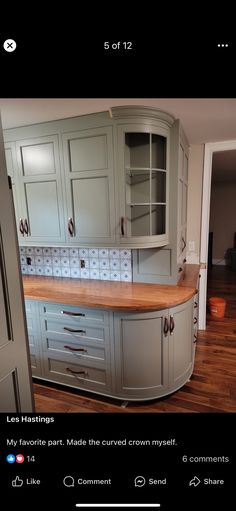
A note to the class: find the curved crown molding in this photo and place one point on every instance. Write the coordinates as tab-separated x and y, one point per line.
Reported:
118	112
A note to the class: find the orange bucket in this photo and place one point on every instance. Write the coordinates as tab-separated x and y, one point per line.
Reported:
217	307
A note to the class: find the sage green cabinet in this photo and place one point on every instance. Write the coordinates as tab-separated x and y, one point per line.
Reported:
34	335
12	170
89	178
153	351
143	153
39	190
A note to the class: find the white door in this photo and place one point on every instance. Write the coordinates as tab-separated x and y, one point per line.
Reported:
15	373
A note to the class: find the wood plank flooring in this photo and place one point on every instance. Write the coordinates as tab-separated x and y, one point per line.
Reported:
212	387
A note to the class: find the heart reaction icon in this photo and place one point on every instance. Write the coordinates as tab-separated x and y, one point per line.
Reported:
20	458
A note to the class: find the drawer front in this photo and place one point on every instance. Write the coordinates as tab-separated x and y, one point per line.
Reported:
76	315
77	375
77	350
82	332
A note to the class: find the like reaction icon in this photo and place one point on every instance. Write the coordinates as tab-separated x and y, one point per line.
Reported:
17	482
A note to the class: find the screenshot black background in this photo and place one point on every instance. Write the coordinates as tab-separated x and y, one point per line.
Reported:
171	58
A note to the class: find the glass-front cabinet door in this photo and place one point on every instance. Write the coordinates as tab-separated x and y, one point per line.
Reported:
143	171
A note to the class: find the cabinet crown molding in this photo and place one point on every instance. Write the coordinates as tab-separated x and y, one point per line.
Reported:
118	112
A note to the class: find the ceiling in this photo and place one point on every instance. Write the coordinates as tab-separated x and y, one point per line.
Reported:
203	120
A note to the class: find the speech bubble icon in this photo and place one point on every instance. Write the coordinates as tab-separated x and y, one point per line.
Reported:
69	481
139	481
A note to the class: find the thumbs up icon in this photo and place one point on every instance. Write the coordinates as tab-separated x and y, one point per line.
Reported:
17	482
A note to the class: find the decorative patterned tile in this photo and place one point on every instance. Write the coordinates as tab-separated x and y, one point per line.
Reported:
105	274
55	251
64	252
56	261
64	261
114	253
29	250
125	264
46	251
94	274
31	270
38	260
115	275
47	260
65	272
115	264
74	262
74	252
39	270
37	250
93	252
83	252
104	264
100	263
56	272
125	253
103	253
75	273
126	276
94	263
48	270
84	274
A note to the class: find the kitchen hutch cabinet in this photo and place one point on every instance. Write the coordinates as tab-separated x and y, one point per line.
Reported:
115	178
133	356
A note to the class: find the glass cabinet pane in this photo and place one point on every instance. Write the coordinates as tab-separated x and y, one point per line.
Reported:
158	220
158	152
137	150
138	220
158	186
138	186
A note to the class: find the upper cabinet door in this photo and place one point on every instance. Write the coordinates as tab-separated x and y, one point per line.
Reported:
143	164
40	190
88	161
11	163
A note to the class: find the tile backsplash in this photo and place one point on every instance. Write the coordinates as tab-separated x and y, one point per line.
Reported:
84	263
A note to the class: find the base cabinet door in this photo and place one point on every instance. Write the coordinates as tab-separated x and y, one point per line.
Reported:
32	318
141	354
180	344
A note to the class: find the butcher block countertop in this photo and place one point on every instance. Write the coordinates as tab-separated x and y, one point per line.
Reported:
116	296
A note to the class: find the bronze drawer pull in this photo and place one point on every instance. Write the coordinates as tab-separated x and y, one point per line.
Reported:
21	227
70	313
71	227
195	339
172	324
77	372
74	331
75	349
122	226
195	305
166	326
195	321
26	227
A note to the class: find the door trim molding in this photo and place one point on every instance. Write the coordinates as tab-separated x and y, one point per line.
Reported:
206	197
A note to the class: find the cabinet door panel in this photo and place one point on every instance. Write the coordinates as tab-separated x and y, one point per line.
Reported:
91	207
38	159
141	355
9	397
88	153
181	345
89	173
43	210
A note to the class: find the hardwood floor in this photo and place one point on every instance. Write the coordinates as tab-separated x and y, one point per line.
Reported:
212	387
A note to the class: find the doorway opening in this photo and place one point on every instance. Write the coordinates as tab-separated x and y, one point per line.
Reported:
218	228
